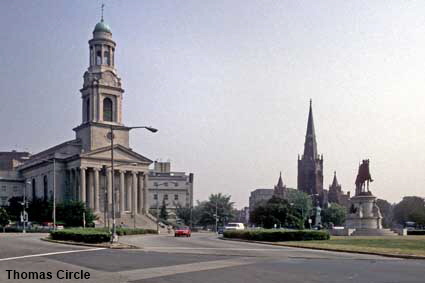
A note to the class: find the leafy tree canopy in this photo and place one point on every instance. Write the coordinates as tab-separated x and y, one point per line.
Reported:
334	214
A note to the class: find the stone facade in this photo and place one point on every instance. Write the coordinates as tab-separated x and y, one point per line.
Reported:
310	165
80	169
280	189
259	195
174	188
336	195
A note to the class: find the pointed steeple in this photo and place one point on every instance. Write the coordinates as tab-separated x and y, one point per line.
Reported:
280	181
335	181
310	145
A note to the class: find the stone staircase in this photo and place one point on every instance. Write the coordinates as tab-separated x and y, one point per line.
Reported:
146	221
373	232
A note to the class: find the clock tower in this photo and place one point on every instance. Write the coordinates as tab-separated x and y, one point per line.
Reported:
101	94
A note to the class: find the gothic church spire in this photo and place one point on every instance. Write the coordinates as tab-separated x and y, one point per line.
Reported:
310	145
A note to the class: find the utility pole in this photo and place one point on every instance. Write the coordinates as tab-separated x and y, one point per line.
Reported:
216	216
114	237
54	193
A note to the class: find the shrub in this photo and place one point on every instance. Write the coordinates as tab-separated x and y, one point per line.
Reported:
81	235
416	232
137	231
277	235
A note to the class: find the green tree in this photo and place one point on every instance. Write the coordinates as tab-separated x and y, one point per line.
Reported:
276	211
71	214
40	210
411	208
208	209
302	205
183	213
15	208
163	214
334	214
4	218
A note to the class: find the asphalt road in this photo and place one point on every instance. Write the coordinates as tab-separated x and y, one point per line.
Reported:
201	258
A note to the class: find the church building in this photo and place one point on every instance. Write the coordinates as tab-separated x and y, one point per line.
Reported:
310	165
80	169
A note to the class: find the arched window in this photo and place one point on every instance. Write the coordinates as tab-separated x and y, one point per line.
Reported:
99	57
45	185
106	57
34	190
88	109
107	110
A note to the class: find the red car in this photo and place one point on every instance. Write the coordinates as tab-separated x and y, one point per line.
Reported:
182	231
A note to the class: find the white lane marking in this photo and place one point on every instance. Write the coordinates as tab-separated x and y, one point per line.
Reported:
53	253
145	273
224	249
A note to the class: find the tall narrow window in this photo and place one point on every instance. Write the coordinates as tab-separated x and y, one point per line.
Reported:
34	190
88	109
106	57
107	110
45	187
99	57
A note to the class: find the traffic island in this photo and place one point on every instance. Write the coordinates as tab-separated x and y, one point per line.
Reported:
105	245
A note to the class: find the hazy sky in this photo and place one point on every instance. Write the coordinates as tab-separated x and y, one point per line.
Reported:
228	84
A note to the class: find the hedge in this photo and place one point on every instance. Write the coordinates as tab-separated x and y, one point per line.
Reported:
416	232
94	235
277	235
81	235
137	231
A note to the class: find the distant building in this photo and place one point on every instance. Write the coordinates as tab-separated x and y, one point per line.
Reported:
11	183
336	195
310	165
280	189
259	195
175	188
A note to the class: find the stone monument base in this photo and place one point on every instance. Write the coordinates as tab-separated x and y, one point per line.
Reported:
365	217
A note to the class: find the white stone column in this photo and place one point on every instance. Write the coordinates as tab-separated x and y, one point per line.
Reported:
122	192
128	191
145	193
83	185
96	189
91	189
134	191
109	185
141	193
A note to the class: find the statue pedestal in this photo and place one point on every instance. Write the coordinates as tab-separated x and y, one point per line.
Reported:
364	214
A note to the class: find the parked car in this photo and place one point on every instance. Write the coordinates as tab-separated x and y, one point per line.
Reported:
182	231
234	226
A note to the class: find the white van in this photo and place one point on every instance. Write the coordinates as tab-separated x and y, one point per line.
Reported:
234	226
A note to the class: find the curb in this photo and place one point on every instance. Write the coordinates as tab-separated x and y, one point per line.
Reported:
120	246
332	250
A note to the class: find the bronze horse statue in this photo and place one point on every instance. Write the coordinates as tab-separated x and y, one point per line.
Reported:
363	178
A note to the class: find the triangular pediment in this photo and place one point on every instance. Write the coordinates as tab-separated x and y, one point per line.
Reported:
121	153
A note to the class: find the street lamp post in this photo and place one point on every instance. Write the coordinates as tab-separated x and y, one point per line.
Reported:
114	237
24	204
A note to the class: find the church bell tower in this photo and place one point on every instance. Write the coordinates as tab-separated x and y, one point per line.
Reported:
101	94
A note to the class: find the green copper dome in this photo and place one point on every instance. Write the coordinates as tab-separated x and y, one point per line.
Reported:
102	27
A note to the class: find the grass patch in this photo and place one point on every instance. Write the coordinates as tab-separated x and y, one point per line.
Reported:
408	245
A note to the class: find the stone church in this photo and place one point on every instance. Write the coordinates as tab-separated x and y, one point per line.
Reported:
80	169
310	166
